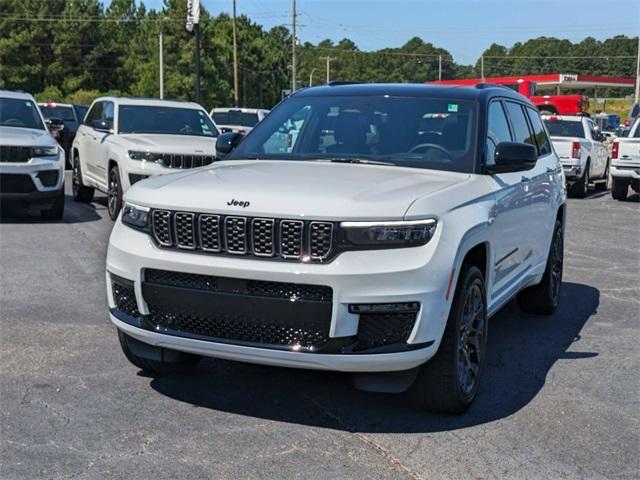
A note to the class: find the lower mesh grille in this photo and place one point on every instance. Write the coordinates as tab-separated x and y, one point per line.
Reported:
15	183
239	328
378	330
124	295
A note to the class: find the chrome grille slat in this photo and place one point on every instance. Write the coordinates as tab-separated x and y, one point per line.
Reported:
178	160
244	236
162	227
291	237
235	235
209	232
184	226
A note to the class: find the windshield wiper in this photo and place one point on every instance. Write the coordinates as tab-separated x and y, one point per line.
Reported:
363	161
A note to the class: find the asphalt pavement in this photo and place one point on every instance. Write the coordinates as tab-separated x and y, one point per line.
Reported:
559	398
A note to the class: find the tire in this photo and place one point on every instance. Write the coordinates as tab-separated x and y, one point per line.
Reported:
182	361
448	383
543	298
581	187
619	189
56	211
80	192
114	193
602	186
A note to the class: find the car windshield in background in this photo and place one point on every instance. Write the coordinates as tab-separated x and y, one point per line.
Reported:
18	112
81	110
405	131
235	118
63	113
564	128
165	121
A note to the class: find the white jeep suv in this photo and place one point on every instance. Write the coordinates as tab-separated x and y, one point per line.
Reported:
124	140
31	161
370	229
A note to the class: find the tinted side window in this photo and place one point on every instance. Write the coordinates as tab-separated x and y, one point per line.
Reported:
521	132
94	114
497	130
544	147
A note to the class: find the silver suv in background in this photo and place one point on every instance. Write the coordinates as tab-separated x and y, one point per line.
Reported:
31	161
124	140
240	120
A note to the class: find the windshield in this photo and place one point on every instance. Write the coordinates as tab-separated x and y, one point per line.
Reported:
235	117
564	128
405	131
165	121
63	113
18	112
81	110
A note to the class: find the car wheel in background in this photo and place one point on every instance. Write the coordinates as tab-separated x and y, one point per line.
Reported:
448	383
581	187
181	361
543	298
114	193
619	188
80	192
56	211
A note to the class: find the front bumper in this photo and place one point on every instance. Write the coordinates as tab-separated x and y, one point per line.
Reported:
365	277
37	181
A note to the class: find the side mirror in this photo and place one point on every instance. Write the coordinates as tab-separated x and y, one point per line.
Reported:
102	126
54	124
513	157
226	143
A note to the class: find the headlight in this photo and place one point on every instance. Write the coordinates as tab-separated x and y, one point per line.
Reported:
44	151
146	156
390	234
135	216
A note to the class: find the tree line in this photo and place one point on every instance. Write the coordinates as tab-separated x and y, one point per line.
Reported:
75	50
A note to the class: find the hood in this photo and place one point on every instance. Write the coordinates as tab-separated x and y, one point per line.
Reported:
170	143
27	137
315	190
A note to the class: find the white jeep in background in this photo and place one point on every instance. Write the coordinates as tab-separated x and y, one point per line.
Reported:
240	120
31	161
580	148
124	140
625	166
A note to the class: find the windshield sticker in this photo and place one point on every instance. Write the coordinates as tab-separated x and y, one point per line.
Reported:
453	107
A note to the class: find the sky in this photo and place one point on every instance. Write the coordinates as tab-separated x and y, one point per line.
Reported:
464	27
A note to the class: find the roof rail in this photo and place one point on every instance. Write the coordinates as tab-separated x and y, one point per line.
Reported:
484	85
334	83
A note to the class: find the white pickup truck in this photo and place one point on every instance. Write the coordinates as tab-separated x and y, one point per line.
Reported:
580	148
625	166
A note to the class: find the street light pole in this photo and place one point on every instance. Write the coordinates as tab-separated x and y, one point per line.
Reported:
637	96
311	77
161	60
293	49
235	58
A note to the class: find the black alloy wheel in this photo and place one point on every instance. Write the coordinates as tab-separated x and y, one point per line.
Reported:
114	193
471	341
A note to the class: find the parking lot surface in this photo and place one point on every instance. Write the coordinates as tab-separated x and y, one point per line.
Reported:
559	396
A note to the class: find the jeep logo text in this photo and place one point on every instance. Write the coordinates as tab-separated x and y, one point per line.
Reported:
236	203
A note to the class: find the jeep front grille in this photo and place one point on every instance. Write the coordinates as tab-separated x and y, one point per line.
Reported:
14	154
175	160
243	236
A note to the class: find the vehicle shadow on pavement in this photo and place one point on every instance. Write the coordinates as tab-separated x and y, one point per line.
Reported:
73	213
521	351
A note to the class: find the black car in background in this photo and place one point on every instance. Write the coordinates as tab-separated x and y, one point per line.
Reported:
71	116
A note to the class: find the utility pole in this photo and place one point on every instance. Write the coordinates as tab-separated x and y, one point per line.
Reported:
235	58
637	96
439	67
293	49
196	29
482	67
328	60
161	67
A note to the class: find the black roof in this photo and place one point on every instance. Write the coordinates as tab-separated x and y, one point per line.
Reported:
481	92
